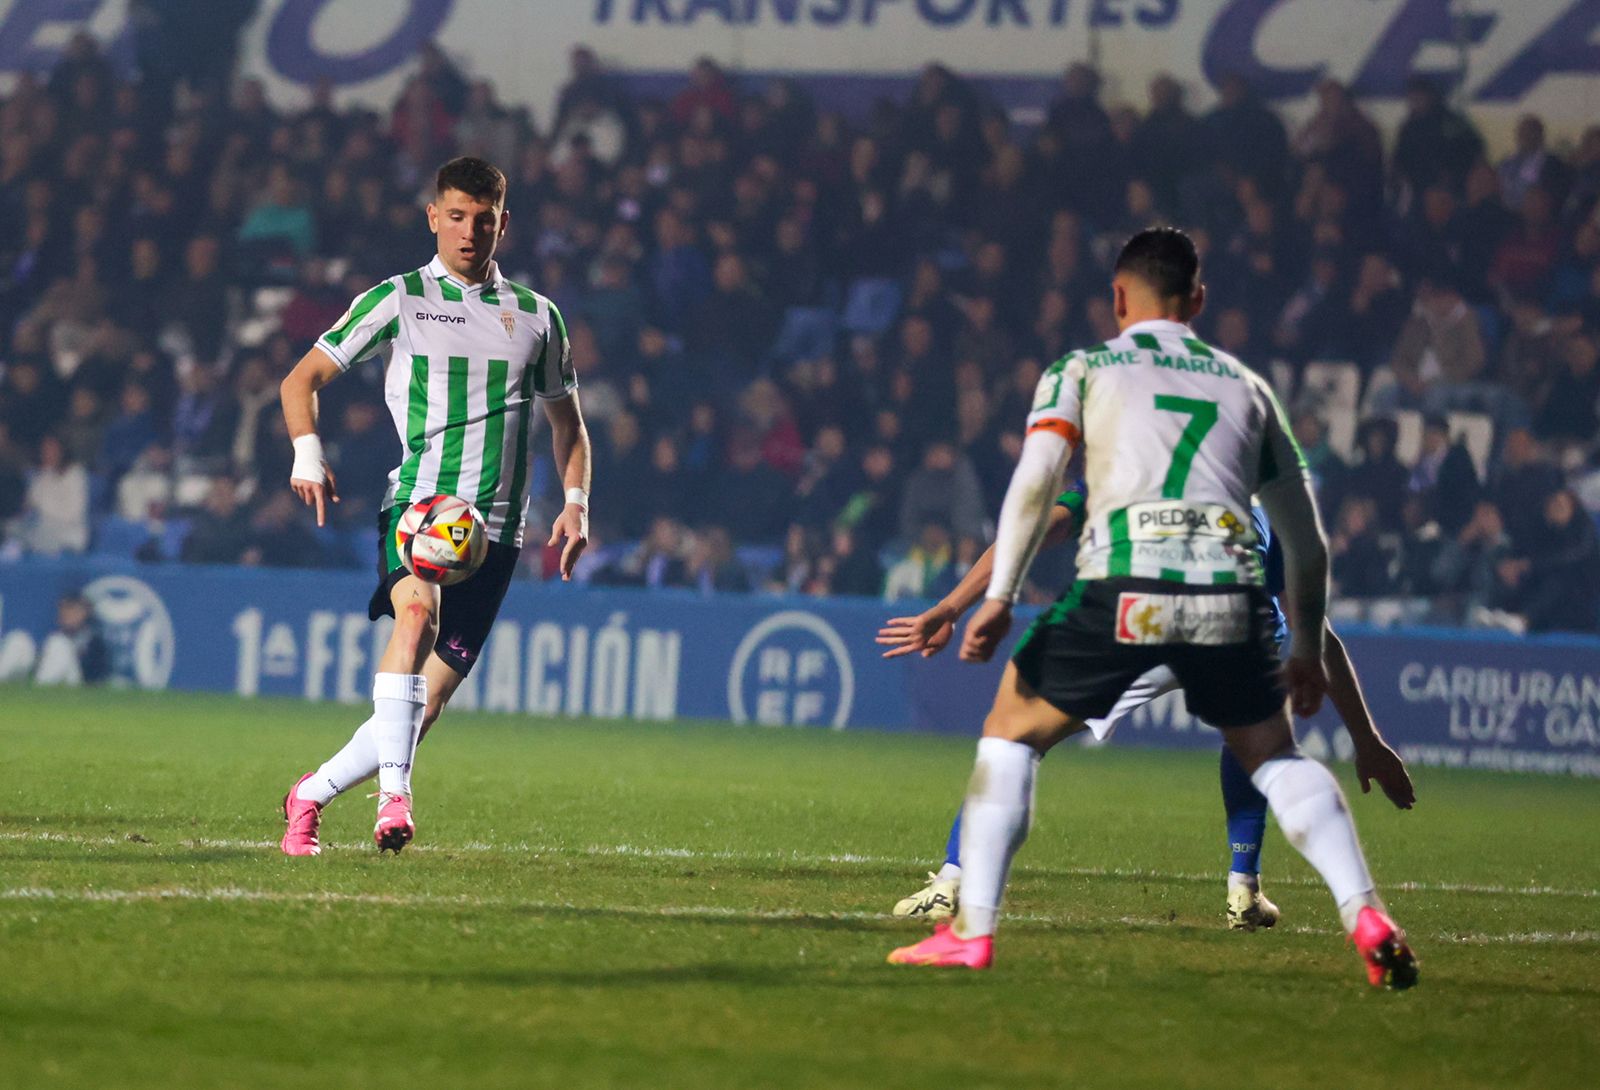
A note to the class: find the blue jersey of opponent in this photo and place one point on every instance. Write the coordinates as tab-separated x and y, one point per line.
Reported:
1266	545
1272	570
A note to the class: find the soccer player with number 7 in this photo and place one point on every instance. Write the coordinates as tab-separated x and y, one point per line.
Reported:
1177	438
466	354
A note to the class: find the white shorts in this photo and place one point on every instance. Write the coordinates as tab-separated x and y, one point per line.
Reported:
1146	687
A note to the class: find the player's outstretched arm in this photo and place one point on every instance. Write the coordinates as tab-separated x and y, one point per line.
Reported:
1375	759
311	477
930	631
569	439
1024	517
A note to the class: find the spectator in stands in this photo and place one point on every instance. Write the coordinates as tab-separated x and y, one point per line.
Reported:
220	533
924	566
145	490
750	494
1440	354
75	652
56	510
1246	138
1482	224
733	326
280	534
13	480
1328	470
1167	141
1344	142
1466	564
1531	166
713	568
1526	256
203	422
1524	479
1378	476
1435	142
943	489
657	561
1557	577
1444	477
83	431
198	301
1363	562
282	217
1568	406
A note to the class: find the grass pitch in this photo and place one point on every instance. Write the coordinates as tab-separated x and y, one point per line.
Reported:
596	904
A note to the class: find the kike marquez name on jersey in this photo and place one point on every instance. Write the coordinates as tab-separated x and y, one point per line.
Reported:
1199	359
463	365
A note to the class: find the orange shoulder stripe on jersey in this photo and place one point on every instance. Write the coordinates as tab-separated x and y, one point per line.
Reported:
1064	428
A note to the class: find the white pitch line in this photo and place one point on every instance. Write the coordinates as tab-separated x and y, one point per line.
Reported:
795	859
235	894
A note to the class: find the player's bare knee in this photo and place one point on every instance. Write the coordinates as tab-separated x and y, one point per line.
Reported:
413	627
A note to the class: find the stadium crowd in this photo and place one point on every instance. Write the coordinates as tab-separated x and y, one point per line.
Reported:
806	345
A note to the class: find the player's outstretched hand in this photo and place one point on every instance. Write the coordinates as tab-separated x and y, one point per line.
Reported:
317	494
1376	761
1308	684
985	631
572	524
927	632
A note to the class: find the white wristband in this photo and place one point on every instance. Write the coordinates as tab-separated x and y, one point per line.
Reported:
308	459
579	497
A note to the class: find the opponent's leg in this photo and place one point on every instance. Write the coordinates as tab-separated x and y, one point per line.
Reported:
1020	728
1246	810
1313	815
937	900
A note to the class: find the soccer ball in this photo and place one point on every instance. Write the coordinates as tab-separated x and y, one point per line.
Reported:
441	540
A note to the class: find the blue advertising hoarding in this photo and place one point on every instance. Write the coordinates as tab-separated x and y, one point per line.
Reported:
1444	698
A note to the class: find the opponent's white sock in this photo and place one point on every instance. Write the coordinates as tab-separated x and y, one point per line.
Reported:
355	763
948	872
1311	811
994	824
398	701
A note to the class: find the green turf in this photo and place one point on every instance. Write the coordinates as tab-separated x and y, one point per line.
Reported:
594	904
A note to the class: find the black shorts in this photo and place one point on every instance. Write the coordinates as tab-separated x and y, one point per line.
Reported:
466	609
1083	652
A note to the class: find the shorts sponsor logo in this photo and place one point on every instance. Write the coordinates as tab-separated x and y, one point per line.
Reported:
1207	620
452	319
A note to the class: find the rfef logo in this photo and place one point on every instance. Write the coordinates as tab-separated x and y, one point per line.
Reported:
791	669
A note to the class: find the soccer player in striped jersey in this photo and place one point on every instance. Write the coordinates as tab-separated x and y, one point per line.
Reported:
1177	438
1245	807
466	355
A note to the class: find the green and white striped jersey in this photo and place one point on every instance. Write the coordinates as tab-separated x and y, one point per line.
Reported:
1178	436
463	364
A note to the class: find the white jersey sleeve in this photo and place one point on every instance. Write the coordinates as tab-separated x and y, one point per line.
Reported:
1058	399
368	327
553	373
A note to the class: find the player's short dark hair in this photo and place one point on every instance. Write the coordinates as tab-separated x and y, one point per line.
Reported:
1164	258
475	177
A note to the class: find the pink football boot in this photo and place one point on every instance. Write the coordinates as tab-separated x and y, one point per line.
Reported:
945	948
395	828
1382	945
304	818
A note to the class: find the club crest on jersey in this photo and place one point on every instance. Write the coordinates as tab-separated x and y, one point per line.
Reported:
509	320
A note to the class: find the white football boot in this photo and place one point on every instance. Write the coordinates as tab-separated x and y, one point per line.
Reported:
937	900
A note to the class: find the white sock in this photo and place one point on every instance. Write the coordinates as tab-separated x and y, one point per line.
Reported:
1311	811
398	701
355	763
1250	882
994	824
948	872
